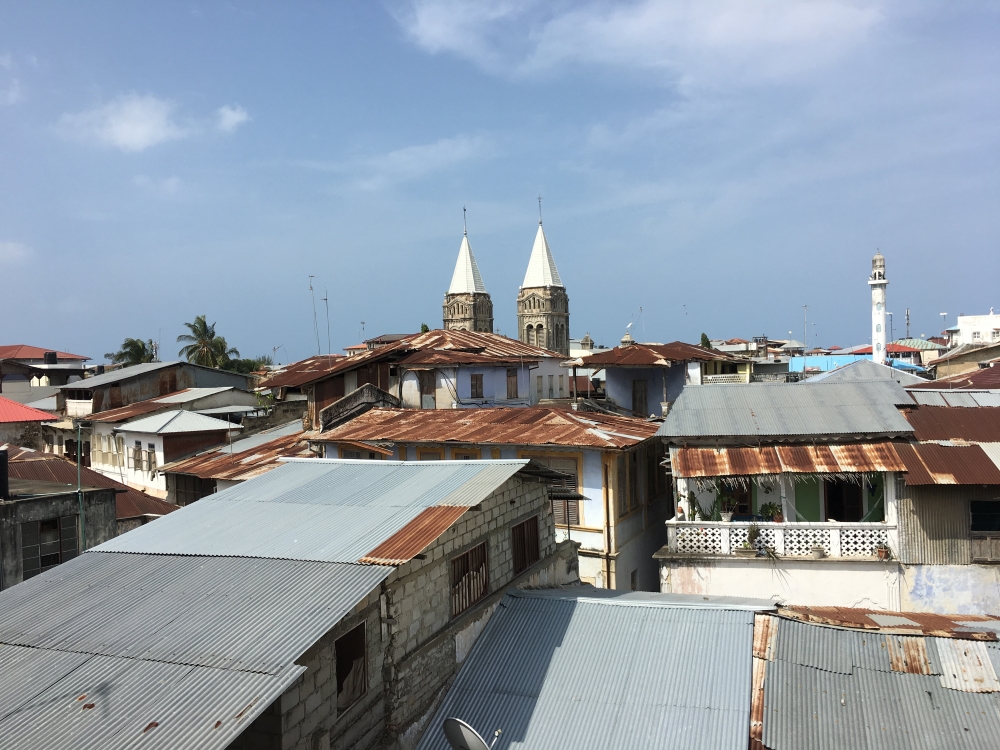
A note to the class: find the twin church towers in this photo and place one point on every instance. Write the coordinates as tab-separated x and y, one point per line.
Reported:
542	303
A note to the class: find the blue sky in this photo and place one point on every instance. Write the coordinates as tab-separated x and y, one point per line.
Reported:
718	165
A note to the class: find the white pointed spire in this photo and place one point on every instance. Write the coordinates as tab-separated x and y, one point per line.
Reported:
466	279
542	269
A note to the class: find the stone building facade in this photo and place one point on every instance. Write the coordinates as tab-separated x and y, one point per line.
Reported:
542	303
414	642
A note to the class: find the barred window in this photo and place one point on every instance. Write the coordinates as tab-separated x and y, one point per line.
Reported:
45	544
352	678
476	386
469	579
524	544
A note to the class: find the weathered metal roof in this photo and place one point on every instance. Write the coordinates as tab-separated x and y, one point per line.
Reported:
534	426
652	355
117	376
129	502
799	459
974	627
956	398
246	458
832	688
162	403
26	351
865	369
977	425
122	651
778	410
304	371
319	509
985	378
566	670
173	422
11	411
931	463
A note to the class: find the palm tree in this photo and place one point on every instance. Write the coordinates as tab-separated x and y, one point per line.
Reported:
204	347
133	352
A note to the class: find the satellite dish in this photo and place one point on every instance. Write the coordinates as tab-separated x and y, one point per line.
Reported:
463	737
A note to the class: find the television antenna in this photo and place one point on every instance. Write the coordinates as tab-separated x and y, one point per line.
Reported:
463	737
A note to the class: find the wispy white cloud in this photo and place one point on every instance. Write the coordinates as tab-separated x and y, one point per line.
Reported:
415	162
689	41
129	123
229	117
10	91
14	252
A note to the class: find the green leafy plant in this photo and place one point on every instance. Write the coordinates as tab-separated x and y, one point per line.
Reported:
769	510
204	346
133	352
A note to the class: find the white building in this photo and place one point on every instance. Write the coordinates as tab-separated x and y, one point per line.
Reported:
878	283
978	329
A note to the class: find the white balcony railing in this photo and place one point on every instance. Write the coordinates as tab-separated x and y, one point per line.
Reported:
786	539
730	378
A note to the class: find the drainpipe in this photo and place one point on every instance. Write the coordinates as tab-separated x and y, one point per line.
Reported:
607	527
79	490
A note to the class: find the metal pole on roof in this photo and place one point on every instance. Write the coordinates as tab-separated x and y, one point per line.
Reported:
79	490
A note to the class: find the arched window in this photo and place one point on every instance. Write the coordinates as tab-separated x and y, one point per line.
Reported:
878	328
529	335
540	336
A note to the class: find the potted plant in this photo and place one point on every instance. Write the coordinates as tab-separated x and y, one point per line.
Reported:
747	550
728	506
772	511
749	547
883	552
818	551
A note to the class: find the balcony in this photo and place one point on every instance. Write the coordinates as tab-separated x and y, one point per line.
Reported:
838	540
728	379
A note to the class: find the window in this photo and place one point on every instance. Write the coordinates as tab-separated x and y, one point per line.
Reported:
551	386
350	453
137	456
844	501
996	334
985	530
633	580
352	680
464	455
538	385
494	453
560	488
511	382
429	455
45	544
524	544
976	336
639	398
427	389
189	489
562	388
152	456
476	386
469	579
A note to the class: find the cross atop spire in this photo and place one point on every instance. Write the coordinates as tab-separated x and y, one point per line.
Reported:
465	227
539	209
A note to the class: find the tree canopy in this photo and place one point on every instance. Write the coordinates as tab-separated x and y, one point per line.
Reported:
705	341
204	346
133	352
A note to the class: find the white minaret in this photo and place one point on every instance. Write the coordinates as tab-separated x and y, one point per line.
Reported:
878	283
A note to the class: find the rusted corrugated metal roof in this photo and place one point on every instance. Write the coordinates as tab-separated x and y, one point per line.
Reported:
11	411
652	355
125	413
219	463
985	378
798	459
534	426
47	467
437	347
979	424
930	463
969	627
409	541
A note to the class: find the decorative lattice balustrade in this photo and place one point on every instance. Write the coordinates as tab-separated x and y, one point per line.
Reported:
786	539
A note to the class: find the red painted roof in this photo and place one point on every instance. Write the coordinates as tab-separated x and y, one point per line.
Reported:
11	411
651	355
24	351
891	348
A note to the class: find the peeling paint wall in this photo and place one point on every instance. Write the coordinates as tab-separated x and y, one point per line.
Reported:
951	588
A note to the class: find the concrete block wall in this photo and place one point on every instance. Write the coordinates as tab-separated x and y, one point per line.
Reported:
306	715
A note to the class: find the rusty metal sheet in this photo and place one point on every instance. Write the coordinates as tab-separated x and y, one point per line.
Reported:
139	408
757	701
802	459
409	541
964	627
966	666
219	463
930	463
979	424
531	426
765	631
908	654
653	355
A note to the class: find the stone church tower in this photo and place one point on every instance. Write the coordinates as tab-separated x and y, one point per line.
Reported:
542	304
467	305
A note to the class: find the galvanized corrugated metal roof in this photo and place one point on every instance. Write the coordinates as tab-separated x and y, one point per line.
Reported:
803	459
865	369
534	426
776	410
972	627
116	376
318	509
570	671
173	422
831	688
232	613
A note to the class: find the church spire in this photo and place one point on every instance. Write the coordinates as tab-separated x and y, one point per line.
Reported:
542	269
466	279
467	305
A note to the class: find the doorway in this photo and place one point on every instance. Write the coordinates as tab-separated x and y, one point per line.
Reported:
844	501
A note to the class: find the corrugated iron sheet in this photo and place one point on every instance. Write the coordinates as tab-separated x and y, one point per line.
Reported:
12	412
985	378
977	425
105	702
652	355
125	413
26	351
572	672
966	666
805	459
247	458
934	523
534	426
778	410
230	613
927	623
409	541
47	467
317	509
175	422
930	463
